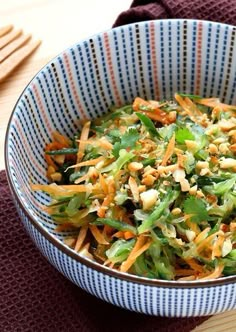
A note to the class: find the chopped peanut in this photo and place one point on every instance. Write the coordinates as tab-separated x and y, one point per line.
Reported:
200	194
193	190
179	175
191	145
149	170
219	140
213	148
224	148
60	159
56	177
149	198
50	171
148	180
190	235
205	171
227	163
184	184
176	211
142	188
227	247
135	166
202	164
227	125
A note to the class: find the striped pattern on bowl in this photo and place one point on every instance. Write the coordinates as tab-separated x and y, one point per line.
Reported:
153	60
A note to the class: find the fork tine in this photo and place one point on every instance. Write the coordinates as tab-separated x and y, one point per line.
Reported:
5	29
7	38
11	47
8	65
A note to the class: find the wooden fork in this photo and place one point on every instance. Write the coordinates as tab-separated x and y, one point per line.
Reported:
15	46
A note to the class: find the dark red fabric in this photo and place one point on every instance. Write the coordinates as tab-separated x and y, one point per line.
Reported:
223	11
35	297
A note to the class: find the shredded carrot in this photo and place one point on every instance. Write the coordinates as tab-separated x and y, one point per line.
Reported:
90	162
217	246
83	137
61	139
184	272
169	151
140	102
154	116
216	111
107	230
125	266
50	161
141	245
81	237
215	274
192	107
102	142
64	227
153	111
118	212
70	242
99	237
81	179
119	235
50	147
134	188
102	210
128	235
76	188
194	265
103	184
181	101
188	278
201	236
54	146
108	199
62	190
193	226
206	243
124	235
215	102
181	159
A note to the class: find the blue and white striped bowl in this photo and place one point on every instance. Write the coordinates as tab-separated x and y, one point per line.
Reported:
150	59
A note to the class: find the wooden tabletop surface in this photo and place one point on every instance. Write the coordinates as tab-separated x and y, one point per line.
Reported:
59	24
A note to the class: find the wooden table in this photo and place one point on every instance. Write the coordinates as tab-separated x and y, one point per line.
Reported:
60	23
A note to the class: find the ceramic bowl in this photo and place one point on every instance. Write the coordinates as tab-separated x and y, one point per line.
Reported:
152	59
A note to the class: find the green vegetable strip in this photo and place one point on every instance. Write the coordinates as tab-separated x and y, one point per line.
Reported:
121	226
156	214
148	124
62	151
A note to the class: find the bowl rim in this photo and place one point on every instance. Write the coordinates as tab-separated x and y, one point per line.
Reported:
68	251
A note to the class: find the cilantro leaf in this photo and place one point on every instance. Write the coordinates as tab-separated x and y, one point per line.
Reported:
183	134
116	149
128	140
197	208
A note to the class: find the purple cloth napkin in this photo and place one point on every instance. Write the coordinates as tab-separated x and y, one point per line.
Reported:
223	11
